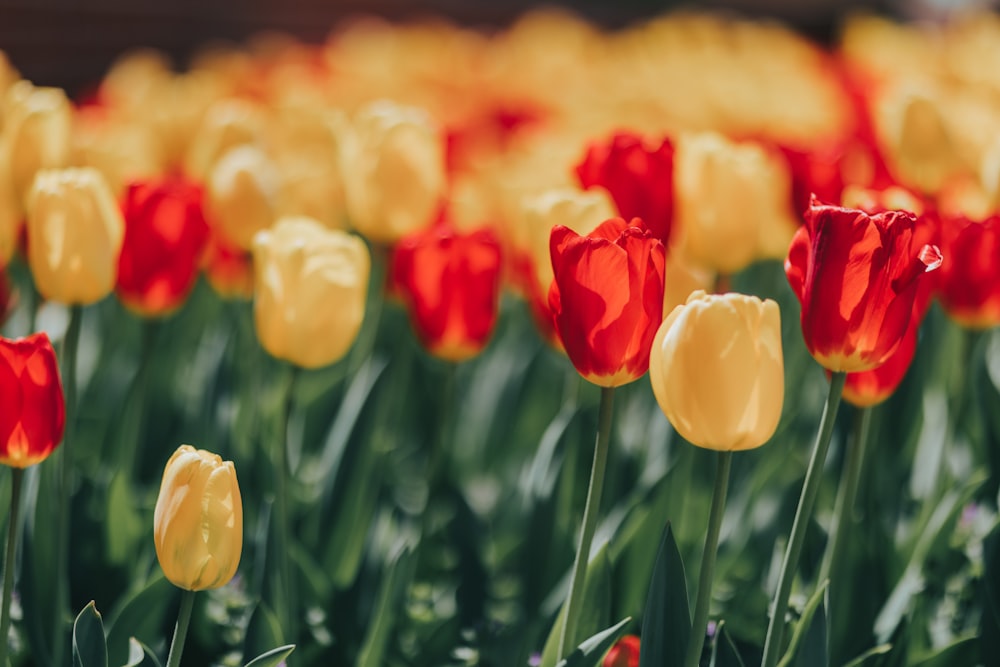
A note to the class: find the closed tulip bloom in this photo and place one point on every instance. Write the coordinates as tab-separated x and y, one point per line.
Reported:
625	653
733	202
393	166
451	284
857	278
607	298
969	281
242	194
717	370
198	520
36	134
32	415
228	268
165	235
638	174
310	288
75	233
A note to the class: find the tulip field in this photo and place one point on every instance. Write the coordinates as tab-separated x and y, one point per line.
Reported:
544	346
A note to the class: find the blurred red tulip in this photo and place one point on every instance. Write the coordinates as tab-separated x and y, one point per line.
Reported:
33	412
969	284
625	653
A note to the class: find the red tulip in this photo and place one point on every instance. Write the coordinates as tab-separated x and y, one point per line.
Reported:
969	284
607	298
165	235
867	388
856	276
32	414
625	653
450	282
639	177
228	268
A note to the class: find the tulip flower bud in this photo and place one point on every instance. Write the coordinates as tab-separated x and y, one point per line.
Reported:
625	653
733	202
32	414
717	370
36	133
242	194
229	123
75	233
310	288
392	161
198	520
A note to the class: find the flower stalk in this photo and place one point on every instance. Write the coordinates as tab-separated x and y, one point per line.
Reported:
180	630
17	475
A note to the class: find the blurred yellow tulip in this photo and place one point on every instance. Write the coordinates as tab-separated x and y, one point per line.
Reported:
717	370
310	288
242	194
75	233
198	520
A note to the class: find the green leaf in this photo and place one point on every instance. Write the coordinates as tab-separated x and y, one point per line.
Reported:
390	601
666	622
724	653
989	624
263	631
142	616
38	563
124	527
868	658
272	658
808	646
140	655
89	647
963	652
592	650
594	611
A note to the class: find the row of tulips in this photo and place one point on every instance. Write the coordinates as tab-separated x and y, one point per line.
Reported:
252	182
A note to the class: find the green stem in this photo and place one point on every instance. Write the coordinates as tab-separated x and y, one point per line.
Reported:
62	616
803	513
843	520
700	621
129	450
8	572
437	469
285	593
180	630
594	490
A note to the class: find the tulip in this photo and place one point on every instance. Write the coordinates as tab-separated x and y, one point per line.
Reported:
242	194
733	202
625	653
310	288
607	298
639	176
969	282
451	284
75	233
857	277
32	416
717	372
165	235
198	520
393	165
228	268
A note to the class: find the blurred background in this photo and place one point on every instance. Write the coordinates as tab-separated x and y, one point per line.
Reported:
71	43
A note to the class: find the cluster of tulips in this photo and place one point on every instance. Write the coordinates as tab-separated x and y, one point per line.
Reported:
627	187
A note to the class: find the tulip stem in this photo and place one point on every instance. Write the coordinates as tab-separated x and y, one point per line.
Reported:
130	452
180	630
595	488
285	593
843	515
70	345
8	570
803	513
700	622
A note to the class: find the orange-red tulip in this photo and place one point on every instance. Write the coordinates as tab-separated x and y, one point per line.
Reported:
856	276
451	284
165	235
607	298
867	388
969	283
638	175
33	413
625	653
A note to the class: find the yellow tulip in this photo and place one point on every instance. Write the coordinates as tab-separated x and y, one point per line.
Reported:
717	371
198	520
310	288
242	194
733	202
36	133
392	161
75	232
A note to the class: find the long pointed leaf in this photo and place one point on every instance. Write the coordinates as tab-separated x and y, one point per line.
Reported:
666	623
89	646
592	650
